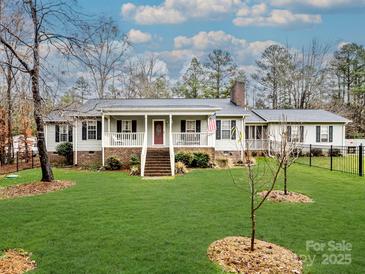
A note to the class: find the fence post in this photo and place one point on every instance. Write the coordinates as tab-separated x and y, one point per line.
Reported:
17	161
32	160
361	158
310	155
331	157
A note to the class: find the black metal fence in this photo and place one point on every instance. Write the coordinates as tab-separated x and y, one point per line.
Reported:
348	159
17	162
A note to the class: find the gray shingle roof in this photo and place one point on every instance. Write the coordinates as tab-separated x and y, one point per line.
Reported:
300	116
93	107
222	107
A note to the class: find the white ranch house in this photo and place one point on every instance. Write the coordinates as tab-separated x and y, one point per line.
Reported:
121	127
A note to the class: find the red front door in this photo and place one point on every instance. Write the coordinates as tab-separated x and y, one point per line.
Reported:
158	132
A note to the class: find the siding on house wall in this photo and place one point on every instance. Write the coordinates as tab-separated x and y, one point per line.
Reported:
82	145
229	145
220	145
310	134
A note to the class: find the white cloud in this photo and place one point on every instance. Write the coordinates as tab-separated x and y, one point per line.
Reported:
318	3
177	11
138	37
258	15
200	45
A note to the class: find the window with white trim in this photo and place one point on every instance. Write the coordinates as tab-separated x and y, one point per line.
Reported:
191	126
295	134
63	133
226	129
126	126
91	130
324	134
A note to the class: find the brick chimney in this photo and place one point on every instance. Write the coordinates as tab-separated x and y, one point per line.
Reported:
238	94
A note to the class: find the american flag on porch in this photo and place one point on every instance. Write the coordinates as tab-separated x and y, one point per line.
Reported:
212	123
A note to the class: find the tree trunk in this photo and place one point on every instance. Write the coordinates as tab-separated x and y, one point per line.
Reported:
47	174
10	112
285	180
253	230
253	217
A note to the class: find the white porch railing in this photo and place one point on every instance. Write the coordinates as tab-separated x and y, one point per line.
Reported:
185	139
253	144
114	139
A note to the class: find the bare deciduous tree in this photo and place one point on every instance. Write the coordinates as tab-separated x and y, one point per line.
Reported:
103	53
46	20
262	176
287	149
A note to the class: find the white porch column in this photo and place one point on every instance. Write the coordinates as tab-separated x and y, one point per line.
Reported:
75	141
171	148
109	124
146	126
243	145
102	138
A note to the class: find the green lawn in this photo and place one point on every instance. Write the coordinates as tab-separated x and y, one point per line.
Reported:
112	223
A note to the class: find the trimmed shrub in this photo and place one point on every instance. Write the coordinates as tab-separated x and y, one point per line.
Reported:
113	163
134	170
200	160
184	157
134	160
180	168
66	150
316	152
336	152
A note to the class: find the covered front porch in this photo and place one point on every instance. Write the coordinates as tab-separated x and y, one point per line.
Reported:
157	131
146	131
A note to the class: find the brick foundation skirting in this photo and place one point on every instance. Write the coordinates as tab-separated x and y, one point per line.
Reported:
56	159
234	155
122	153
89	158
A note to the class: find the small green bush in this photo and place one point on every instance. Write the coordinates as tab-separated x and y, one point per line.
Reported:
113	163
184	157
66	150
200	160
134	160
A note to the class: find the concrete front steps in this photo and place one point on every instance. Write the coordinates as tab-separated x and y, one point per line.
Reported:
157	162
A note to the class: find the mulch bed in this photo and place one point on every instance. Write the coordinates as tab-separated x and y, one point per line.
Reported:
32	189
234	255
16	261
291	197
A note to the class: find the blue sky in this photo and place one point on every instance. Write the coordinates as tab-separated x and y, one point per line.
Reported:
177	30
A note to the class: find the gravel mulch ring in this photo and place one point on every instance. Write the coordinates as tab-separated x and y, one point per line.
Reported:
291	197
234	255
32	189
16	262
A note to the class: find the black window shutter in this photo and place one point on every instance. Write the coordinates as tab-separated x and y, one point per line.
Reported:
119	126
318	134
233	129
331	133
134	125
84	131
301	134
218	131
288	130
57	133
70	133
98	130
183	125
198	125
